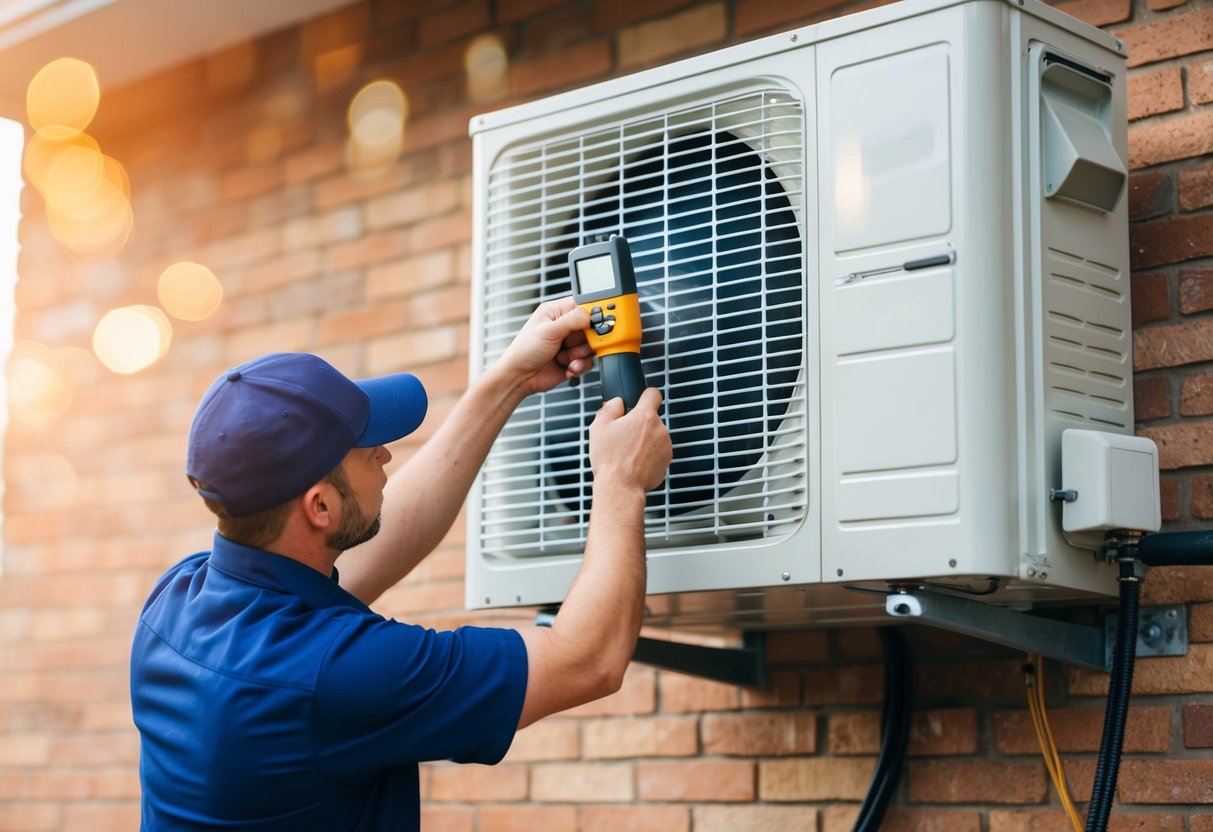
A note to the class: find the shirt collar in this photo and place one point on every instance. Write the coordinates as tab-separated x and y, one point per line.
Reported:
280	573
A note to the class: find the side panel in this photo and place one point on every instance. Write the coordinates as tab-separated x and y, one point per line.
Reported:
917	371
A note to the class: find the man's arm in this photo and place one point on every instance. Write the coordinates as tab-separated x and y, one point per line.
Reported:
423	497
584	654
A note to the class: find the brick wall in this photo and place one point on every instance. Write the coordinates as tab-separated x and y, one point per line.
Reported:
237	162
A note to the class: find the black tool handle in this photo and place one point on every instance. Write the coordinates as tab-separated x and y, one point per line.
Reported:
622	377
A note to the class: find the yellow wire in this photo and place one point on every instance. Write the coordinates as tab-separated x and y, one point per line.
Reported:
1044	735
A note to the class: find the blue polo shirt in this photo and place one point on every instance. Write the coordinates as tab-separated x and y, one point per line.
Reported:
269	698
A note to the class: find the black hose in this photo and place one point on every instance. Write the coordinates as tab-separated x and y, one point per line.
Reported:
895	729
1194	548
1103	792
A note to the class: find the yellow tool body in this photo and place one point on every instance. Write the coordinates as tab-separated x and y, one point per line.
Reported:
604	285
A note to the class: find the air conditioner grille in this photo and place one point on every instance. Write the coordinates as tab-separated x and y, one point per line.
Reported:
710	197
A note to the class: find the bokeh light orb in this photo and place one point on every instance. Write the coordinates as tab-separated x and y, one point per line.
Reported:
487	68
132	338
62	98
37	393
189	291
377	116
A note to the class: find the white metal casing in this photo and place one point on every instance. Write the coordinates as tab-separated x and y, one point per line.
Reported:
920	432
1113	484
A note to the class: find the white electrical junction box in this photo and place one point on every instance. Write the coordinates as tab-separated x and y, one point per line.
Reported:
882	263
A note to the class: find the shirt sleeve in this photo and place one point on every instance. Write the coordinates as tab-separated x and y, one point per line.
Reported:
390	694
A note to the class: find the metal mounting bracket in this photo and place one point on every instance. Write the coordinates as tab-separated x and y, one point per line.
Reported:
745	666
1162	631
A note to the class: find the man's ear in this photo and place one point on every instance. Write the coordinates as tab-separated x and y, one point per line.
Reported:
317	504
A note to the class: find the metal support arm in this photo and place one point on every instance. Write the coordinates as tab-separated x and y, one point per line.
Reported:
745	666
1162	630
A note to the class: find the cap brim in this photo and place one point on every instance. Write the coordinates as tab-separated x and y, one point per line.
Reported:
398	405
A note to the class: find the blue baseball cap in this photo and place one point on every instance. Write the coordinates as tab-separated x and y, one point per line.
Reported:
270	429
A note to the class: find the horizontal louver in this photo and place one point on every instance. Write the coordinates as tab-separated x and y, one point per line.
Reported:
709	197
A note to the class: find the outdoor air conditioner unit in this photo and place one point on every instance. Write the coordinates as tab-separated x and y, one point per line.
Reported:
882	262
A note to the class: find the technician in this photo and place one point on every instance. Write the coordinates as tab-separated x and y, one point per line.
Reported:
267	694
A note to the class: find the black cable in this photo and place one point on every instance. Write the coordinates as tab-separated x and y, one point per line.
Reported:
895	733
1120	685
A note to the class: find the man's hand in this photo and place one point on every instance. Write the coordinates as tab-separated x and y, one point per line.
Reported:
550	347
630	450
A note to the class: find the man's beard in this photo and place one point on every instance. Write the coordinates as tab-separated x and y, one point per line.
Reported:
354	528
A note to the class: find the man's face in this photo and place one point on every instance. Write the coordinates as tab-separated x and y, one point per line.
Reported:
364	474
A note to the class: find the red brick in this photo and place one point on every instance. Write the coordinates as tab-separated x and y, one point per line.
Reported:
1149	194
1099	12
513	11
1195	290
1200	622
1182	445
1200	81
527	819
754	818
976	781
1156	92
1151	398
1198	726
1166	781
368	251
1122	819
656	737
1202	497
463	18
682	694
1196	187
932	733
1151	298
448	819
1180	137
842	819
1192	673
759	734
582	783
1147	729
1176	585
972	679
1196	397
646	44
797	647
753	16
549	739
1168	37
784	692
815	779
635	819
846	684
611	16
1201	823
584	62
696	781
1164	5
556	31
250	181
1173	345
475	783
97	816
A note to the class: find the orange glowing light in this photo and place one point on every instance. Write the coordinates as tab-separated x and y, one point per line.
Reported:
377	115
37	394
487	69
62	98
132	338
94	220
41	161
189	291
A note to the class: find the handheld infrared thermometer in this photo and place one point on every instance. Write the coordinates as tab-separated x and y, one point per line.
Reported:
605	286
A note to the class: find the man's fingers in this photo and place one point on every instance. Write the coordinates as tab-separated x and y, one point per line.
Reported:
650	398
